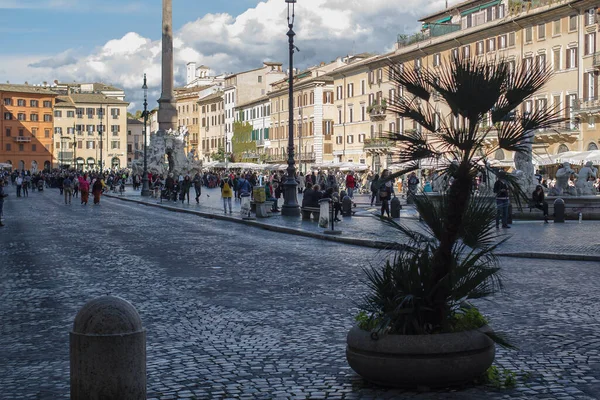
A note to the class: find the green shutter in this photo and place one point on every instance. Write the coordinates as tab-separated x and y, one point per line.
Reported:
266	133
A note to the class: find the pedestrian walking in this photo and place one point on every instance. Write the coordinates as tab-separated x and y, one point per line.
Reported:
84	187
197	186
350	184
68	189
374	188
226	193
19	183
502	201
186	185
2	196
97	190
76	186
386	190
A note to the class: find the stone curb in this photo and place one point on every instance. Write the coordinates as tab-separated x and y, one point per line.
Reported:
274	228
376	244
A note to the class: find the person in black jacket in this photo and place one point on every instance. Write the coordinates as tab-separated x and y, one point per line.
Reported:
539	202
312	196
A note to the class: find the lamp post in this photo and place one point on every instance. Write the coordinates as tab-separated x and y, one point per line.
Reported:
145	185
100	133
62	152
290	196
74	149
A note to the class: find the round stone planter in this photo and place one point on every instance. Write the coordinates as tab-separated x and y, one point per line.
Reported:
420	360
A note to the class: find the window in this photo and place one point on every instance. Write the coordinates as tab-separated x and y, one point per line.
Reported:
380	75
511	39
89	144
33	147
8	102
528	34
572	57
34	103
363	88
361	138
590	17
590	43
115	129
591	123
454	54
57	114
363	112
572	23
21	147
338	92
417	65
115	112
328	98
7	132
479	48
541	31
466	51
8	147
339	115
21	103
115	144
556	59
590	86
339	140
350	90
46	133
502	42
57	130
260	79
34	132
540	62
437	59
556	27
8	116
491	45
47	118
21	117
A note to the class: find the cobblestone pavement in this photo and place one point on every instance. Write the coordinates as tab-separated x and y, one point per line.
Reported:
526	236
237	312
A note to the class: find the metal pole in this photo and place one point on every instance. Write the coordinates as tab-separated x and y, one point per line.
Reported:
290	199
100	133
145	184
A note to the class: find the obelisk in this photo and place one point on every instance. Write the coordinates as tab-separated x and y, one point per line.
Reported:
167	113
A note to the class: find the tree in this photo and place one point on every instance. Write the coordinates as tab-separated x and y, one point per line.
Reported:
219	155
137	115
242	140
473	90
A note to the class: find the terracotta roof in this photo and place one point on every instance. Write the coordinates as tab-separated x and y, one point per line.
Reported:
9	87
133	121
210	97
63	102
257	100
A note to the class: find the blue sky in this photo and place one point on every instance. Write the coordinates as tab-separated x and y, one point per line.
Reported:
117	41
28	26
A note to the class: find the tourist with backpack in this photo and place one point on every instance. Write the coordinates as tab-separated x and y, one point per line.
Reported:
68	189
226	193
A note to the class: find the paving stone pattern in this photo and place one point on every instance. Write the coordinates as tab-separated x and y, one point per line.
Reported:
237	312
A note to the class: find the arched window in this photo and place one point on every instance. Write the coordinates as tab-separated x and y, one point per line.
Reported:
21	165
592	146
499	155
562	149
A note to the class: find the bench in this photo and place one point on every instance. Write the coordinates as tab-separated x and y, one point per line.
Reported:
307	211
272	205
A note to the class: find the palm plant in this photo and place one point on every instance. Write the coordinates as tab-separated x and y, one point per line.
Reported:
420	290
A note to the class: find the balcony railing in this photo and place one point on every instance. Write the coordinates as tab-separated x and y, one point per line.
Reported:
433	30
65	156
587	104
377	143
23	139
596	59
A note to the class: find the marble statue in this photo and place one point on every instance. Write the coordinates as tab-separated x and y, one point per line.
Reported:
563	176
584	185
525	171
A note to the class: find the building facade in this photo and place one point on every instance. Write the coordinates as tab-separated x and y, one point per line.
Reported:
257	113
90	131
135	140
26	126
212	126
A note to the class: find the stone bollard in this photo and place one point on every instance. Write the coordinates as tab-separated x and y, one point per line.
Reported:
346	206
108	352
559	210
395	207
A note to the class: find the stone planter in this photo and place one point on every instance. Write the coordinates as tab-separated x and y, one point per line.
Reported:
420	360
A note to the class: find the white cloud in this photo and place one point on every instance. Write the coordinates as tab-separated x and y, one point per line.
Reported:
325	29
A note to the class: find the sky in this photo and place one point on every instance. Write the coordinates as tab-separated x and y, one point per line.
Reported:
117	41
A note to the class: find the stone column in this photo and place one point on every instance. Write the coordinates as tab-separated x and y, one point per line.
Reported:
167	113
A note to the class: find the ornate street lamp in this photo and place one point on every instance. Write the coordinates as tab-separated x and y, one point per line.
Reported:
100	133
290	195
145	185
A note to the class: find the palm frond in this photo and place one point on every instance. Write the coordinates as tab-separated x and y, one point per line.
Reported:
416	82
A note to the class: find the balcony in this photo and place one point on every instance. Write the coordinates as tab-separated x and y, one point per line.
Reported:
23	139
65	156
587	106
377	111
431	31
194	142
596	60
378	144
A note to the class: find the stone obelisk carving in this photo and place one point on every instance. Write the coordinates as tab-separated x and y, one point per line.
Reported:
167	113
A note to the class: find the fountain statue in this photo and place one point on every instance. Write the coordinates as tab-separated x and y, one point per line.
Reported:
563	176
584	185
524	165
166	154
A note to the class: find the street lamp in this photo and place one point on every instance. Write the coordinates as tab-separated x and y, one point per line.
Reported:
74	149
100	133
145	185
290	195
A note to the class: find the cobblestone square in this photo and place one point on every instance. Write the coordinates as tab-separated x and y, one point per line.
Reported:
238	312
